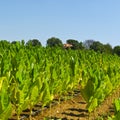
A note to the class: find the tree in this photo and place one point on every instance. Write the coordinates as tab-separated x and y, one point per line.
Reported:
116	50
52	42
34	42
97	46
88	43
81	46
108	48
75	44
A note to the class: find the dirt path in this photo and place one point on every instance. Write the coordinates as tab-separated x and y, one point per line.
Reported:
70	109
75	109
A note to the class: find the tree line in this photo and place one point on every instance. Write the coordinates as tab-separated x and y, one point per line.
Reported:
97	46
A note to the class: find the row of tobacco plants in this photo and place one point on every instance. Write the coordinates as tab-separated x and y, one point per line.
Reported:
116	115
31	75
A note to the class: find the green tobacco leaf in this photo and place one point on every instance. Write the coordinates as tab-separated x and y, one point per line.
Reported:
99	94
108	85
110	118
6	113
117	105
46	97
1	82
20	100
117	116
88	90
33	95
92	105
19	73
5	103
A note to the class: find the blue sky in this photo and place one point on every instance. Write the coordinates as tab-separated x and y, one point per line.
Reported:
65	19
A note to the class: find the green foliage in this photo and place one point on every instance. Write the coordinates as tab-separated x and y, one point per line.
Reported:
34	42
4	44
99	80
116	50
5	103
97	46
117	105
52	42
108	49
29	75
75	44
116	116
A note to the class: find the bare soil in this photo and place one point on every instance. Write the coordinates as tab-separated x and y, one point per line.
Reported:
73	109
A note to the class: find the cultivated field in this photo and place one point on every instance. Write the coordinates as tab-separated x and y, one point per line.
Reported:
65	84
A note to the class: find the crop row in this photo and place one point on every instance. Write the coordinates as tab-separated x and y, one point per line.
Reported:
37	74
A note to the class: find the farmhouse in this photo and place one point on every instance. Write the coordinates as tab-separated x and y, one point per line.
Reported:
66	46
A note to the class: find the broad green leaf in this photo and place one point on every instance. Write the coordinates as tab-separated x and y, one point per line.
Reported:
92	105
88	91
117	105
6	113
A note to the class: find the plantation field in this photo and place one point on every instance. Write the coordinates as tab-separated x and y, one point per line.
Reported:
32	76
